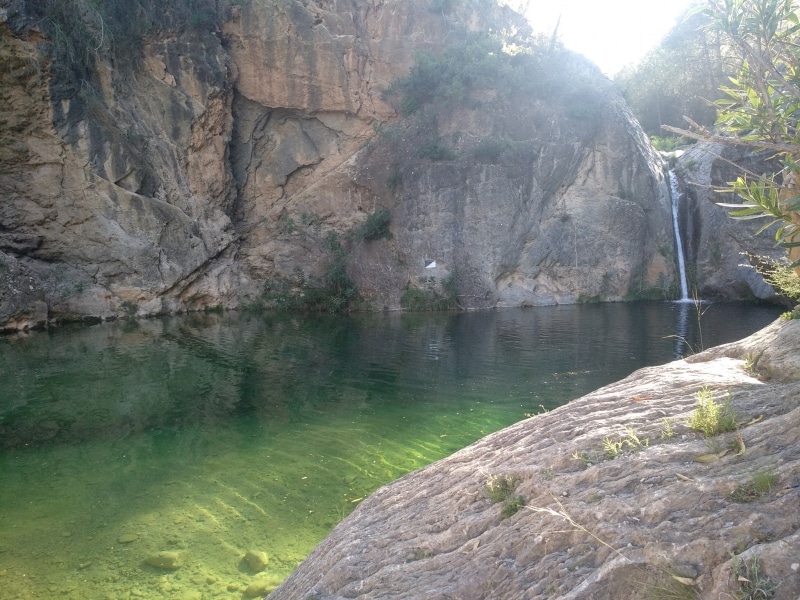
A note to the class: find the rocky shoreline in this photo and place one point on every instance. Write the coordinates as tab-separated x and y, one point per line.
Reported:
672	513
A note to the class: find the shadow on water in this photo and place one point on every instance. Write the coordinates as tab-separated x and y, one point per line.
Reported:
213	434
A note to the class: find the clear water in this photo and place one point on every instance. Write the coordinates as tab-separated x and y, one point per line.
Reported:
213	435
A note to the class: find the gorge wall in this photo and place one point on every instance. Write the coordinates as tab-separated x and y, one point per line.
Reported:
222	158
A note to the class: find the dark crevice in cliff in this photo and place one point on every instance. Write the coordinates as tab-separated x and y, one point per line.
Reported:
248	118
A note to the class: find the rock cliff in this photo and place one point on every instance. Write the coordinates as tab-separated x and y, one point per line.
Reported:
610	496
202	162
220	158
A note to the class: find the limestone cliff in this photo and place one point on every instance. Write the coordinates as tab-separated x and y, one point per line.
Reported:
610	496
221	157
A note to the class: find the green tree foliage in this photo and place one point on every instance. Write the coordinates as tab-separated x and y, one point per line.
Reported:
678	78
432	297
447	76
761	107
509	65
375	227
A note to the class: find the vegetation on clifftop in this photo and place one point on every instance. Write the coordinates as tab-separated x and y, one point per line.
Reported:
677	78
508	67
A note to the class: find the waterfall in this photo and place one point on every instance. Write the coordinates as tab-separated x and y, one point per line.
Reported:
675	193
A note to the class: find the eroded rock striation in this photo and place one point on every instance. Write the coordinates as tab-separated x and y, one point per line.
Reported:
676	514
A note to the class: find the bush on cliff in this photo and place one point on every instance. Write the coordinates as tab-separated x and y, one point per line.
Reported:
333	292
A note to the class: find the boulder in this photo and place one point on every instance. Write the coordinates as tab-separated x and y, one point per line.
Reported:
256	560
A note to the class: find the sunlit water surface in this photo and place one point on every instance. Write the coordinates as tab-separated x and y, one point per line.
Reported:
212	435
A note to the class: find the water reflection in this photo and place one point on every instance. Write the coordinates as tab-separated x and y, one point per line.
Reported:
682	310
114	380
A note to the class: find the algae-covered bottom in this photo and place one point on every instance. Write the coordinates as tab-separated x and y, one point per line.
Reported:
205	457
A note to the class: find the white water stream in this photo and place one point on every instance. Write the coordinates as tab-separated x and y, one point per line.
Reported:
674	192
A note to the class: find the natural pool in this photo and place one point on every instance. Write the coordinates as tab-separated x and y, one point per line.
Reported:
209	435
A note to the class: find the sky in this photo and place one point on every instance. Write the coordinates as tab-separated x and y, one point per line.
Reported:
611	33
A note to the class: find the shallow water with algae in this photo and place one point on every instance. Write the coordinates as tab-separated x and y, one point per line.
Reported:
146	459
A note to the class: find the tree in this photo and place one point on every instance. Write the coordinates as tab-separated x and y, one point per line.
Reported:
761	108
679	77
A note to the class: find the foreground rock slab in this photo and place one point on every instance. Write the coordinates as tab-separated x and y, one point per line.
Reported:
652	521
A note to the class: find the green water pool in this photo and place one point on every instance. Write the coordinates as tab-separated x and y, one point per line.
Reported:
209	436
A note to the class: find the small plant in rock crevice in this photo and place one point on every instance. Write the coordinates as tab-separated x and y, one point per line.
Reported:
667	429
395	179
419	554
512	506
754	369
710	417
542	411
758	486
672	590
130	309
375	227
435	150
586	458
752	582
611	448
500	488
629	440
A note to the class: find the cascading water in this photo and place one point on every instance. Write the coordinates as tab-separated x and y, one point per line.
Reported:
675	192
682	317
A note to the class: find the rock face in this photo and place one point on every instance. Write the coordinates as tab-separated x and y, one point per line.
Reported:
221	158
716	245
670	516
573	212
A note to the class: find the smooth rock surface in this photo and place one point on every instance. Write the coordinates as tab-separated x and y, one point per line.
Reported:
593	527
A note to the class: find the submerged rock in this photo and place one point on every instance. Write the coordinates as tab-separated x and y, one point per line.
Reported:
169	560
646	519
262	585
256	560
